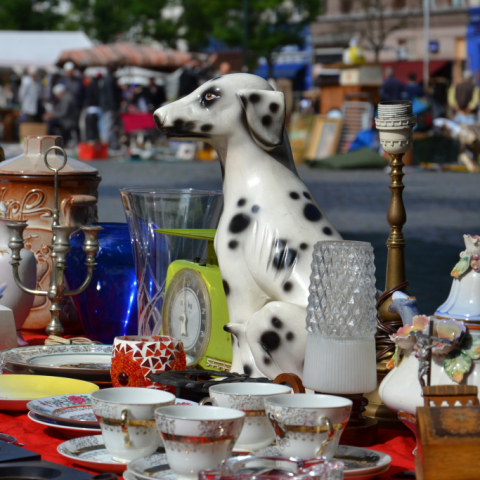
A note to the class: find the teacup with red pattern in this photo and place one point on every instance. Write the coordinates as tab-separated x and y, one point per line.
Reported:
135	357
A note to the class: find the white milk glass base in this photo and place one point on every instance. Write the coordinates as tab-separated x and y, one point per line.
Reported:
340	365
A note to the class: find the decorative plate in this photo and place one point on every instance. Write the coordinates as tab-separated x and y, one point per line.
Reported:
90	452
75	361
18	390
73	410
66	430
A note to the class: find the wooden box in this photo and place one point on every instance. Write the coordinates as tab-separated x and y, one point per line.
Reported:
448	443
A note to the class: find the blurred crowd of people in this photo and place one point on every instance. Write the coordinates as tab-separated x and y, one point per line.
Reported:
84	106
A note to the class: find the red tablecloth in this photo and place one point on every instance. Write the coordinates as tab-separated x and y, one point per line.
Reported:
44	440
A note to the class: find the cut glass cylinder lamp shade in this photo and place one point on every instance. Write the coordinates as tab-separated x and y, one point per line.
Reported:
341	319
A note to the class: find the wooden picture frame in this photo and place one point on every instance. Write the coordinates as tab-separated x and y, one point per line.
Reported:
325	138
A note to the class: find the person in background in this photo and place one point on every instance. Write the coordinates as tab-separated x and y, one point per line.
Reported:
392	88
29	97
110	101
64	118
412	89
463	98
74	84
154	95
192	73
93	112
6	94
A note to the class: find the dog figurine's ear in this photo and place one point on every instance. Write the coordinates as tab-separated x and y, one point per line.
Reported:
265	113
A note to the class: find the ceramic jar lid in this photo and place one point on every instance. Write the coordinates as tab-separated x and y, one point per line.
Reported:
32	163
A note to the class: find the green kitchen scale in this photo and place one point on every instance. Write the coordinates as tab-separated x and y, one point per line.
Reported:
195	306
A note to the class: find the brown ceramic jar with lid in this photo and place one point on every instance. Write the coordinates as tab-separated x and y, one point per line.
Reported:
26	188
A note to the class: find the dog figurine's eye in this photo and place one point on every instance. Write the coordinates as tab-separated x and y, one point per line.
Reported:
210	96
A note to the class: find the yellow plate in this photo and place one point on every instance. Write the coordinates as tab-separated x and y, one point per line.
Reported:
17	390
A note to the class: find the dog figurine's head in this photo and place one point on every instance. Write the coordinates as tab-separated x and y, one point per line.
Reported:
215	112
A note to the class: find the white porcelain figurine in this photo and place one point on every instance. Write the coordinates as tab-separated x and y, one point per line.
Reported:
451	364
11	296
270	222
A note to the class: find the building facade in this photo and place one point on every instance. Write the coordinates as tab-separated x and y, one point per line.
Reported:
395	29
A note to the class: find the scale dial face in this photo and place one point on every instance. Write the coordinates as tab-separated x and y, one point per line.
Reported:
187	312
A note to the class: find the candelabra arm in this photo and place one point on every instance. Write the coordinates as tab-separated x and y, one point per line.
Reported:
90	247
81	288
18	281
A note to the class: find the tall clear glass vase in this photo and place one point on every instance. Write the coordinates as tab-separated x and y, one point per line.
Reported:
147	210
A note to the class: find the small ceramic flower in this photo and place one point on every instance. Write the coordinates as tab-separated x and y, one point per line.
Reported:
449	329
403	338
475	262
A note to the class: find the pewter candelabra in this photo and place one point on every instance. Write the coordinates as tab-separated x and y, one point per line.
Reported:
59	251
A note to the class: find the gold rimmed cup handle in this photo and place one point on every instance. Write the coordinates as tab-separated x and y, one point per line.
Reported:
207	400
124	422
330	435
124	425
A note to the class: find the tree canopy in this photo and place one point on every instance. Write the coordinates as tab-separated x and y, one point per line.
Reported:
269	24
30	14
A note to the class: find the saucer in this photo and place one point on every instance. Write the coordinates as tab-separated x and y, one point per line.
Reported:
154	466
74	410
90	452
360	463
69	431
128	475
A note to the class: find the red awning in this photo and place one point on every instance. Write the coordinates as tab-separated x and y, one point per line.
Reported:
125	54
403	68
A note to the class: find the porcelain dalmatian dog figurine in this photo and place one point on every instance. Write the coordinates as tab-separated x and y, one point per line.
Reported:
270	222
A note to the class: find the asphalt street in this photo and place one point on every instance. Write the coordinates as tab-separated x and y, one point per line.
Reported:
441	207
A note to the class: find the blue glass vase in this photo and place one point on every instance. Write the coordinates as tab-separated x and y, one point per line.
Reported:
108	307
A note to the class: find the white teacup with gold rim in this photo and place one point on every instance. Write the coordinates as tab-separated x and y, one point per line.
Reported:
306	425
127	420
249	398
198	438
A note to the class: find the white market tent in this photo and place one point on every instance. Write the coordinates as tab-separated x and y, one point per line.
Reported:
39	49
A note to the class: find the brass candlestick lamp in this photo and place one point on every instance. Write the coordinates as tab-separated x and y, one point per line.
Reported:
60	249
395	122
